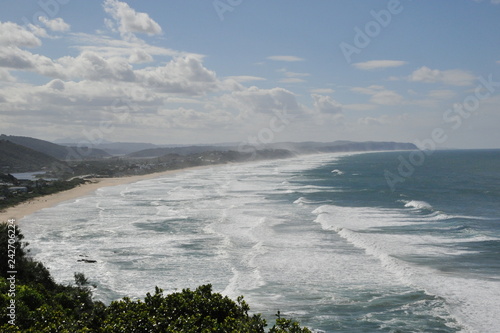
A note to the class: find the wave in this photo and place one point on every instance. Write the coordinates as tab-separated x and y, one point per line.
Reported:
304	201
337	172
359	226
417	204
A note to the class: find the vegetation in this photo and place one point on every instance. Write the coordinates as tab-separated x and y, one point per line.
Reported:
33	189
41	305
18	158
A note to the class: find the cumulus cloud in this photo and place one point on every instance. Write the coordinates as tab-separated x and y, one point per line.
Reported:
378	64
16	58
38	31
129	21
12	34
326	104
454	77
267	101
92	66
5	76
185	75
56	85
56	24
140	56
287	58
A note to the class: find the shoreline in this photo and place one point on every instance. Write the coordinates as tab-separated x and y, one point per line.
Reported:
29	207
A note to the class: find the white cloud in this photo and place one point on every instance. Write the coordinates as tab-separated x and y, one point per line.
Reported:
380	95
15	58
56	24
5	76
56	85
111	61
140	56
257	100
184	75
455	77
129	21
108	47
322	91
326	105
377	64
245	78
92	66
12	34
287	58
38	31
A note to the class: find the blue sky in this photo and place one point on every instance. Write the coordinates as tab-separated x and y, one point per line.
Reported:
178	71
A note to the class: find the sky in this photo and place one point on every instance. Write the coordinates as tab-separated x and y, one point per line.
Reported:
251	71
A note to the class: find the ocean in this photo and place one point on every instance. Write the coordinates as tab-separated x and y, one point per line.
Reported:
322	238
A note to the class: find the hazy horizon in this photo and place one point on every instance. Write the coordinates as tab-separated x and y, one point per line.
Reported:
253	72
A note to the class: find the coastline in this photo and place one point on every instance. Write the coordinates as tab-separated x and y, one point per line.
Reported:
31	206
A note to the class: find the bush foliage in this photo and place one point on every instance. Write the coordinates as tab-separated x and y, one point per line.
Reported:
45	306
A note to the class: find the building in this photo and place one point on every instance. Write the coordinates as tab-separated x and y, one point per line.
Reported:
18	189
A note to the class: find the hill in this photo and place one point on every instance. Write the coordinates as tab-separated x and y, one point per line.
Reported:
17	158
56	151
295	147
184	150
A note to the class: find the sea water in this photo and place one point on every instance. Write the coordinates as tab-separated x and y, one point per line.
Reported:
322	238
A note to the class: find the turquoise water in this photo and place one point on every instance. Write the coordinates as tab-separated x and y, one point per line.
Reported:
322	238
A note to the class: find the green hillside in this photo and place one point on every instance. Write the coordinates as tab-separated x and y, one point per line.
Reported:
17	158
59	152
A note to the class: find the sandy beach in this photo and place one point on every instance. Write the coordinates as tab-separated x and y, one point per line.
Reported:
29	207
